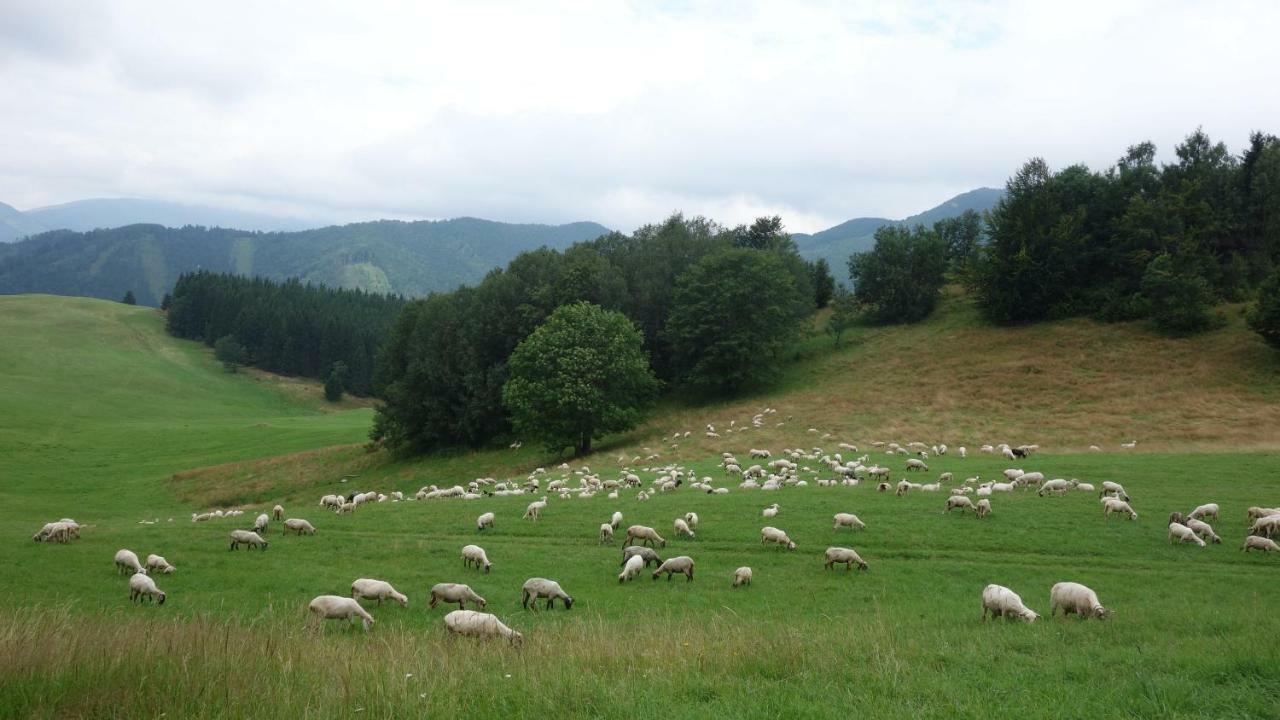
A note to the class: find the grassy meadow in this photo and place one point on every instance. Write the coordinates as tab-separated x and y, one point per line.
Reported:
107	420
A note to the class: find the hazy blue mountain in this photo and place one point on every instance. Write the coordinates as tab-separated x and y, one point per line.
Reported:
15	224
97	213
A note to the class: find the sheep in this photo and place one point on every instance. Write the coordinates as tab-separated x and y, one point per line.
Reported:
644	534
1254	542
1114	505
1114	489
914	464
1265	526
963	452
535	588
679	564
647	554
277	512
983	508
331	501
476	624
959	501
127	563
1057	486
336	607
535	509
1204	511
1177	517
1000	601
631	568
848	520
616	520
1075	598
771	511
1203	529
60	531
682	527
347	508
1085	487
484	521
848	556
1255	512
606	533
244	537
260	525
156	562
1183	534
298	525
141	586
377	590
454	593
474	555
759	453
774	535
692	519
742	576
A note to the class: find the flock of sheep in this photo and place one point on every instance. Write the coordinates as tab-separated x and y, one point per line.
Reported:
640	541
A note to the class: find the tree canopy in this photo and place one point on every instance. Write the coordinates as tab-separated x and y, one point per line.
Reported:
900	279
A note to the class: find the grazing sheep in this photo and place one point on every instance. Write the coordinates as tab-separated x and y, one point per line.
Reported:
771	511
682	527
1075	598
474	555
347	508
616	520
1203	529
759	453
606	533
377	590
484	521
127	563
333	501
454	593
1255	512
1177	517
1057	486
277	512
631	568
644	534
848	520
1204	511
647	554
959	501
476	624
1000	601
336	607
692	519
535	509
914	464
1183	534
983	508
244	537
1115	505
535	588
1113	489
56	531
848	556
774	535
260	525
141	586
298	525
678	564
1253	542
158	563
1266	526
741	576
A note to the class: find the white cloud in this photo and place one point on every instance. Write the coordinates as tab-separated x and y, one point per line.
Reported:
618	112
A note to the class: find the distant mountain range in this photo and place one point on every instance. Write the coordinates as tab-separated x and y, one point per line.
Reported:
97	213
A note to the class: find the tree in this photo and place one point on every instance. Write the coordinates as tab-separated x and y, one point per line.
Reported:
844	315
336	382
961	235
824	285
1180	300
1264	318
901	278
166	301
129	299
581	374
734	313
229	350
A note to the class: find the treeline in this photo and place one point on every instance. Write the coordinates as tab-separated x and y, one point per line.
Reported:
290	327
715	306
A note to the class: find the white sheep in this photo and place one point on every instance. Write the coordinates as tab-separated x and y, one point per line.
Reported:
1000	601
484	521
277	512
692	519
1203	529
245	537
1116	505
1114	489
647	554
298	525
141	586
260	525
454	593
536	588
679	564
127	563
774	535
848	556
377	590
1075	598
534	510
476	624
1183	534
848	520
682	527
1254	542
1057	486
336	607
631	568
983	508
475	555
959	501
616	520
644	534
742	576
1204	511
914	464
158	563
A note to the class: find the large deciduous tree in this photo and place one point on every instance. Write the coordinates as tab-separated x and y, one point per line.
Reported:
900	279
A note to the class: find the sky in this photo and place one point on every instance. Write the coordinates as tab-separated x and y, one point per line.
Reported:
617	112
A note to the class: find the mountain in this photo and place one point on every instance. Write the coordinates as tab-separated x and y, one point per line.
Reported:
389	256
15	224
96	213
838	243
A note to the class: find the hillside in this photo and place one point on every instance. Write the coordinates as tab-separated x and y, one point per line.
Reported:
95	213
409	258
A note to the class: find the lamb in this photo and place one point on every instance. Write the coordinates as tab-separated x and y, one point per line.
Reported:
983	508
127	562
535	588
692	519
347	508
1115	505
277	512
959	501
848	556
476	624
679	564
1057	486
244	537
647	554
742	576
771	511
1183	534
336	607
260	525
1203	529
60	531
454	593
848	520
1254	542
1114	489
377	590
535	509
156	562
141	586
682	527
1204	511
1075	598
644	534
1086	487
774	535
334	501
606	533
616	520
298	525
631	568
1000	601
484	521
914	464
474	555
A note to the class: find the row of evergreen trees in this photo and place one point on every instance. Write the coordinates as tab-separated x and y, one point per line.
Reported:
290	328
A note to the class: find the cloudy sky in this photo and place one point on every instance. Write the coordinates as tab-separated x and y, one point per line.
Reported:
618	112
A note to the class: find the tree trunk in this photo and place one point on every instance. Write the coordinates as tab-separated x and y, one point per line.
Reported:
584	445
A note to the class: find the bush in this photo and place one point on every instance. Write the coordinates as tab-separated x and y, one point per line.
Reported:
1180	300
336	382
1264	317
230	352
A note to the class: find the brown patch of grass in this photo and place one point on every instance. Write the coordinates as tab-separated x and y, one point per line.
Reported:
306	390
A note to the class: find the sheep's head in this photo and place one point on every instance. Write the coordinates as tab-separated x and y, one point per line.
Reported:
791	545
568	602
487	567
517	639
161	600
862	565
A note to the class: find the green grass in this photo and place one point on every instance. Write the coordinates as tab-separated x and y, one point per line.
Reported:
103	413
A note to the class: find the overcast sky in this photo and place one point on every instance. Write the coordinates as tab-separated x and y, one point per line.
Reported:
618	112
